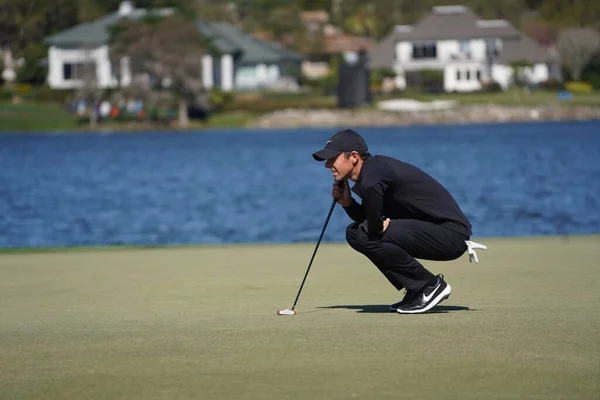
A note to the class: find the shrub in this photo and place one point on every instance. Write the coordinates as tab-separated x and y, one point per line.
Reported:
379	74
5	94
579	87
325	85
591	72
427	80
432	75
552	84
44	94
33	72
491	87
220	99
22	89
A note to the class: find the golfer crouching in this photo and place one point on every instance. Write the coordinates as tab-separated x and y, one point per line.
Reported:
404	214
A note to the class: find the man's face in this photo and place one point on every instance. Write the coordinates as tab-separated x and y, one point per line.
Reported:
341	166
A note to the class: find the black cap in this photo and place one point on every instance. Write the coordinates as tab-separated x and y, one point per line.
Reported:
341	142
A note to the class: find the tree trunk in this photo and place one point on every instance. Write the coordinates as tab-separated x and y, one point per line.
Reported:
184	120
576	72
93	118
95	104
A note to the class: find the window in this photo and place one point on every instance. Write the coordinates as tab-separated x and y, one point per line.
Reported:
458	74
465	48
468	75
84	70
68	71
491	48
424	50
478	74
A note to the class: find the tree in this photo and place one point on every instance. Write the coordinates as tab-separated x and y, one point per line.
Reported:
285	25
591	73
23	26
89	91
582	13
214	10
363	22
92	9
576	48
519	68
170	51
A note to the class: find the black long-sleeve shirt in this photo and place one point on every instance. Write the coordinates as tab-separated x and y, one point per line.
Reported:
393	189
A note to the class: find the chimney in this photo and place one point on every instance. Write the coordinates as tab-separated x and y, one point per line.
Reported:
125	8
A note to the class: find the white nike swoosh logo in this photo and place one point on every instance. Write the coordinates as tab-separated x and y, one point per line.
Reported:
329	141
427	298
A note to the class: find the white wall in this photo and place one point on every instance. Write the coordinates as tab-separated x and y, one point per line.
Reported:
502	74
447	51
272	73
125	73
402	52
400	82
207	71
261	75
227	72
460	67
539	73
462	76
57	57
257	76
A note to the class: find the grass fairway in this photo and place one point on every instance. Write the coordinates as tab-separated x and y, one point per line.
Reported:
33	117
200	323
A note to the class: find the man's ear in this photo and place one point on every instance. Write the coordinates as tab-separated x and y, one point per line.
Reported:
355	157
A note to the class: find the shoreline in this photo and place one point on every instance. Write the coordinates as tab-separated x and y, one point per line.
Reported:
471	114
198	246
360	117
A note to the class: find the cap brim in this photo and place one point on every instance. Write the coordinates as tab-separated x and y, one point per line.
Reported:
326	154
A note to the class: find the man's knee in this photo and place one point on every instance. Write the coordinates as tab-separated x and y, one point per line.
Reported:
353	235
358	239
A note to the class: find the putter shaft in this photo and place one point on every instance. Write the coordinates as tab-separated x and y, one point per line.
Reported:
341	184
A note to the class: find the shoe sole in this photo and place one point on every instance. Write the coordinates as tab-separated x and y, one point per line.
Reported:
439	298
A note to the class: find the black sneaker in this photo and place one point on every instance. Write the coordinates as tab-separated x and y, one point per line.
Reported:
409	297
428	298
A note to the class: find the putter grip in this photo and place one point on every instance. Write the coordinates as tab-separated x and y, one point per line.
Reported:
341	185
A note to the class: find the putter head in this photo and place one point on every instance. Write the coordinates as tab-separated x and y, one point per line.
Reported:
287	311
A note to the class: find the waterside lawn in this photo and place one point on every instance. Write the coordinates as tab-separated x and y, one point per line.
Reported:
249	106
200	323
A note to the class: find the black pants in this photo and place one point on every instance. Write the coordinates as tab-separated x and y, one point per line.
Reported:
394	252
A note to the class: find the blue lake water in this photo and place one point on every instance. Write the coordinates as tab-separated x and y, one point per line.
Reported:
233	186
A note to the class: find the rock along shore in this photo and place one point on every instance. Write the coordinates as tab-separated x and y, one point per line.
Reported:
295	118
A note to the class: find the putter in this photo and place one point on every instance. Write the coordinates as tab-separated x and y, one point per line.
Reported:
292	311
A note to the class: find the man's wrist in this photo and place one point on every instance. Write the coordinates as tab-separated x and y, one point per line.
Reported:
349	203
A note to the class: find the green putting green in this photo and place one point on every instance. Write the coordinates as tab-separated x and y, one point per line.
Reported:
200	323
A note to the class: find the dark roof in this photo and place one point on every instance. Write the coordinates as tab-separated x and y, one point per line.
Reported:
455	22
96	32
458	22
225	37
523	48
229	39
382	55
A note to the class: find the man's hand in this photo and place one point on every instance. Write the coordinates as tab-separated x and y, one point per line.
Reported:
365	225
342	194
386	223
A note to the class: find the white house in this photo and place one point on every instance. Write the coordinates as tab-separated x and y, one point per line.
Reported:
469	51
243	62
